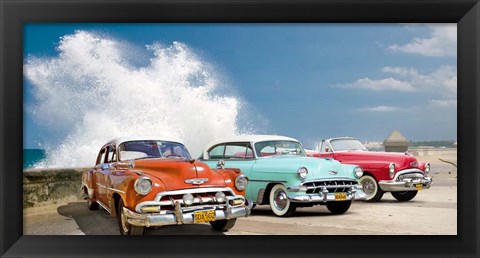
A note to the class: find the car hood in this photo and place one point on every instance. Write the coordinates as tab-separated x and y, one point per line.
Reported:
369	158
318	168
173	173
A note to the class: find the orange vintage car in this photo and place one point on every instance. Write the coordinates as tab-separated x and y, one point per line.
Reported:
148	182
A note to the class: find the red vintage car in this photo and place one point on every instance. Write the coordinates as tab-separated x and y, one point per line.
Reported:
398	173
148	182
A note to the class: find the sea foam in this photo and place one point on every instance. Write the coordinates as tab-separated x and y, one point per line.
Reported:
98	88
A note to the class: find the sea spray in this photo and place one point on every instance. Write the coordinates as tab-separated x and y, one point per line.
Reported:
95	90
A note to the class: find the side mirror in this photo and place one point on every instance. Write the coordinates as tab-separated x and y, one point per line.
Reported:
221	163
105	166
326	149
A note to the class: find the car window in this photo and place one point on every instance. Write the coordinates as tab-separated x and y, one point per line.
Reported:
238	151
172	150
152	149
101	156
347	144
271	148
111	154
217	152
323	147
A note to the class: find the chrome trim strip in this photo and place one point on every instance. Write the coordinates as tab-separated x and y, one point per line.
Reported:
194	190
179	216
98	184
104	206
406	171
329	197
330	179
115	190
297	188
405	185
196	181
268	181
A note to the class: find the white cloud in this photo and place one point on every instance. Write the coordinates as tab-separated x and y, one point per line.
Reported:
443	103
442	81
402	71
379	85
380	109
442	41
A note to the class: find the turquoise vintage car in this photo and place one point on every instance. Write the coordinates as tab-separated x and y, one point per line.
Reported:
281	175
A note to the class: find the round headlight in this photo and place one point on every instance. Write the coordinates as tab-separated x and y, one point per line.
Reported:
143	185
188	199
391	170
358	171
427	168
302	172
241	182
220	196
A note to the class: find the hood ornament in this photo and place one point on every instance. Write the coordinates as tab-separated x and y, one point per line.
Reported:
331	172
196	181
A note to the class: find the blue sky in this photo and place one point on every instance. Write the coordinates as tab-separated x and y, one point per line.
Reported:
307	81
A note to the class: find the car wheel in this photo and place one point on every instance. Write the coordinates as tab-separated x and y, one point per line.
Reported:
404	196
279	202
223	225
338	207
125	228
92	205
371	188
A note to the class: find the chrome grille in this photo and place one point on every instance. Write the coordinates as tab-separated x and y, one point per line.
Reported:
204	198
199	198
333	186
415	175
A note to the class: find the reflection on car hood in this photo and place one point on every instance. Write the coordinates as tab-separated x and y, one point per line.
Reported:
174	172
318	168
364	158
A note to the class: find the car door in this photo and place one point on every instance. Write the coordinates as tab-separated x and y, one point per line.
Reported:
234	155
100	175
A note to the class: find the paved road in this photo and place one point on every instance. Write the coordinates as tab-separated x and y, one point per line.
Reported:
431	212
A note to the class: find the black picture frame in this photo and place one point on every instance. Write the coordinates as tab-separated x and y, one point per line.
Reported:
466	13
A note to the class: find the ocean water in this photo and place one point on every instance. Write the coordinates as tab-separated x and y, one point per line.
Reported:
32	157
98	88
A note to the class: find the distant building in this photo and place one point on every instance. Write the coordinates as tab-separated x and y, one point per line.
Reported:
374	146
396	142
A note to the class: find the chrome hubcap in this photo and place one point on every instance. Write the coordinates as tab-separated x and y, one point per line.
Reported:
280	199
369	187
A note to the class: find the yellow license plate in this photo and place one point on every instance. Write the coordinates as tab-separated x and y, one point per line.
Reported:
203	216
340	196
419	187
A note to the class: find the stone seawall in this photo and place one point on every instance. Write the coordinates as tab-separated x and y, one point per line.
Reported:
425	151
49	186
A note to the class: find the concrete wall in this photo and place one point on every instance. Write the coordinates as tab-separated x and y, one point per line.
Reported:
426	151
48	186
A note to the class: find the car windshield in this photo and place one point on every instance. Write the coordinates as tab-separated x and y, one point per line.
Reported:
152	149
273	148
347	144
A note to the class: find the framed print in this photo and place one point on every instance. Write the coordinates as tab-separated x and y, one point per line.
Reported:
236	67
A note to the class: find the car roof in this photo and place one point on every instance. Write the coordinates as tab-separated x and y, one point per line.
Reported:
249	138
341	138
120	140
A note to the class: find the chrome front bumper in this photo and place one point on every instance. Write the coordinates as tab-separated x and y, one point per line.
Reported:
325	196
184	215
407	184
